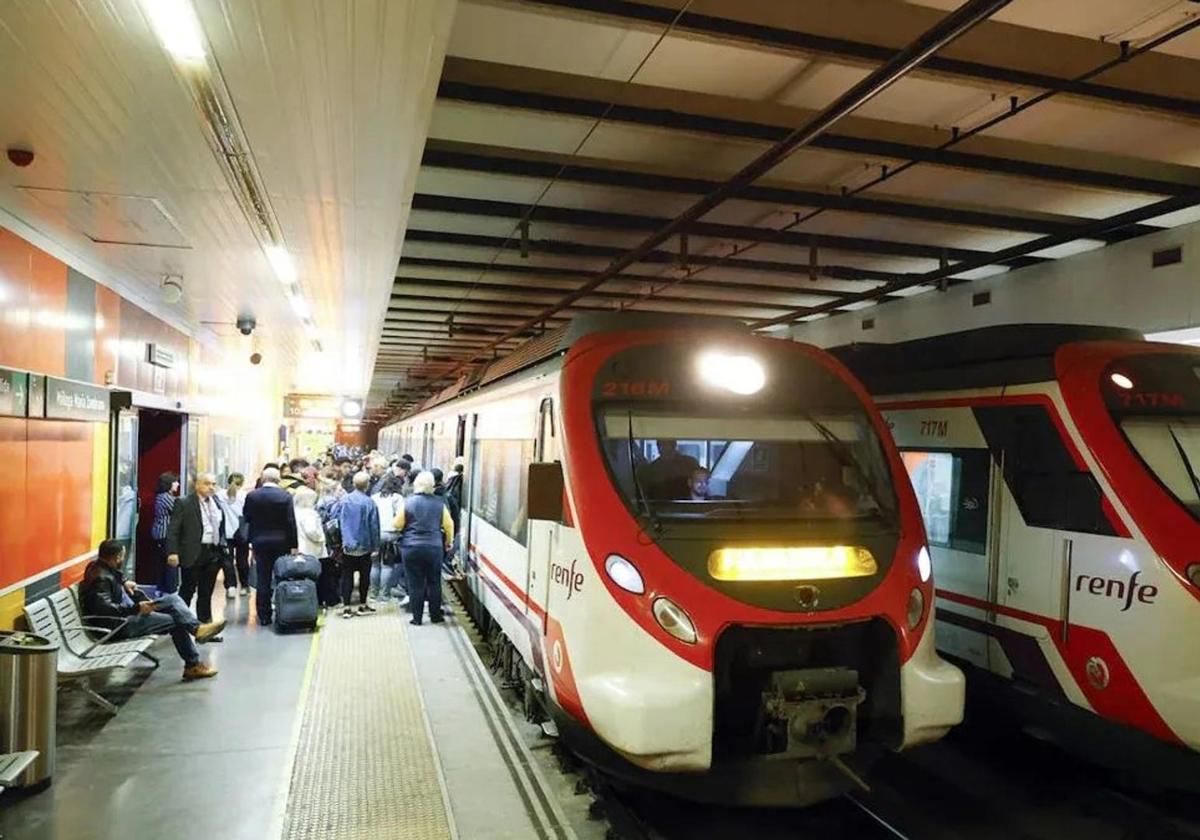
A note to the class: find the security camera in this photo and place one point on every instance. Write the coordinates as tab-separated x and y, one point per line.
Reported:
255	358
246	324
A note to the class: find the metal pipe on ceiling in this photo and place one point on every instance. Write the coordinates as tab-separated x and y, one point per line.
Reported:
945	31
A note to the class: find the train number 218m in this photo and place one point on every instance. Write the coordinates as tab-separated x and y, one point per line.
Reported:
636	389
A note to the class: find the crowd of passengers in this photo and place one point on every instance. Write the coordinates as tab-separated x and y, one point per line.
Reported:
383	521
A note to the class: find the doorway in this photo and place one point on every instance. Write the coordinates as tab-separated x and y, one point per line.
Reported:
159	450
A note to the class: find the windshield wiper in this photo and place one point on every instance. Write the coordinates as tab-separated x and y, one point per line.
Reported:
844	458
638	493
1187	462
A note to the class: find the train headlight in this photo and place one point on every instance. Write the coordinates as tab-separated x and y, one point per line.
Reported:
916	608
671	617
1193	573
743	375
624	574
924	564
803	562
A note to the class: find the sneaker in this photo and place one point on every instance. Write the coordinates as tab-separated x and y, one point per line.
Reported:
207	631
245	590
231	592
365	609
199	671
347	613
404	601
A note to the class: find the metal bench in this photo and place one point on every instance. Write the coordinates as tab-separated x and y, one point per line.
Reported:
73	669
78	634
12	765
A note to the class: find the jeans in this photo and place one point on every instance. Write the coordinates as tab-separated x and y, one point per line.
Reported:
200	580
424	566
264	571
171	615
352	563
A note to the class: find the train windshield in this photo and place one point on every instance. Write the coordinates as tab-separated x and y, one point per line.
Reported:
677	465
1170	447
1155	400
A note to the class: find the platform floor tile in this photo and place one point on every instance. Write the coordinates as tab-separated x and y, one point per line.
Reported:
364	765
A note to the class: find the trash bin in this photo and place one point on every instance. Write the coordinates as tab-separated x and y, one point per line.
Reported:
28	701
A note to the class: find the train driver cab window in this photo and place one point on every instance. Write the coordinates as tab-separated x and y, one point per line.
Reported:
952	490
1050	490
686	466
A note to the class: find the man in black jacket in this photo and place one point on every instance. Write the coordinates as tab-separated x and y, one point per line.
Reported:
107	595
269	515
195	543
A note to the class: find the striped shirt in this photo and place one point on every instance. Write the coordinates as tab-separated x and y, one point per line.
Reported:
163	503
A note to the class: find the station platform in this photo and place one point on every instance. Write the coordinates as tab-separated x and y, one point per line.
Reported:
369	728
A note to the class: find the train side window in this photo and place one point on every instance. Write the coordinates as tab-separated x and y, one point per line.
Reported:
500	484
952	491
1049	488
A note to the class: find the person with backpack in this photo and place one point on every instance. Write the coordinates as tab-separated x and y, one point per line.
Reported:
329	493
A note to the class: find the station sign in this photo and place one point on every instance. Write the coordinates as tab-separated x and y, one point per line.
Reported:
311	407
69	400
159	356
14	392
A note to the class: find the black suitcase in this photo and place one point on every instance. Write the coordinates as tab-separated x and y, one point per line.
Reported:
295	605
297	567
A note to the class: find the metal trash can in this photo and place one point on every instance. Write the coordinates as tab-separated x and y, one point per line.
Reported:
29	701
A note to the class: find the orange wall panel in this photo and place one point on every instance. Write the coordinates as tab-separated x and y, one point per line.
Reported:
15	260
14	526
48	314
59	480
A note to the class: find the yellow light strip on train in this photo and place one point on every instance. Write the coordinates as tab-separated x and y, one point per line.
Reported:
812	562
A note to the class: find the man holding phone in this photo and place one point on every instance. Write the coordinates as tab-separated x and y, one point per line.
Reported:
106	594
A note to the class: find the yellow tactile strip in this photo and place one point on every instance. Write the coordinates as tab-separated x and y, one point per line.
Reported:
364	765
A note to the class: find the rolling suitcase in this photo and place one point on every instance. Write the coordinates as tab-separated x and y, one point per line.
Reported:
297	567
295	605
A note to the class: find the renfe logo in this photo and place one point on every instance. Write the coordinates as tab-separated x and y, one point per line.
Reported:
568	578
1119	589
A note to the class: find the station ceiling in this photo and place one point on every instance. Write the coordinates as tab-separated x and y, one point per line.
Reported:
564	133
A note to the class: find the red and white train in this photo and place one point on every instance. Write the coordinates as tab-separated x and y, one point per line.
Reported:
705	549
1058	471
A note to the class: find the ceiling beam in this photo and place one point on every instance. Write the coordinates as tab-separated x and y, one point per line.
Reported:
603	220
606	252
867	32
488	83
464	157
458	287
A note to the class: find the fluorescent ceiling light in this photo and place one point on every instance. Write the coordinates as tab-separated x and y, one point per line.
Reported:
299	306
282	264
178	30
1069	249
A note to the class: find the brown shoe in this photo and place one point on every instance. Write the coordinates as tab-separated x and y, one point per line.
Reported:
199	671
206	631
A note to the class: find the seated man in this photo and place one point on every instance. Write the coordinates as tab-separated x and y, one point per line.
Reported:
106	594
698	486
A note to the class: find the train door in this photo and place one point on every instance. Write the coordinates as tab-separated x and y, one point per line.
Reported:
1052	501
123	513
543	532
161	449
950	467
470	482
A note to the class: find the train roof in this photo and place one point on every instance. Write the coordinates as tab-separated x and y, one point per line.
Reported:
1008	354
557	341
